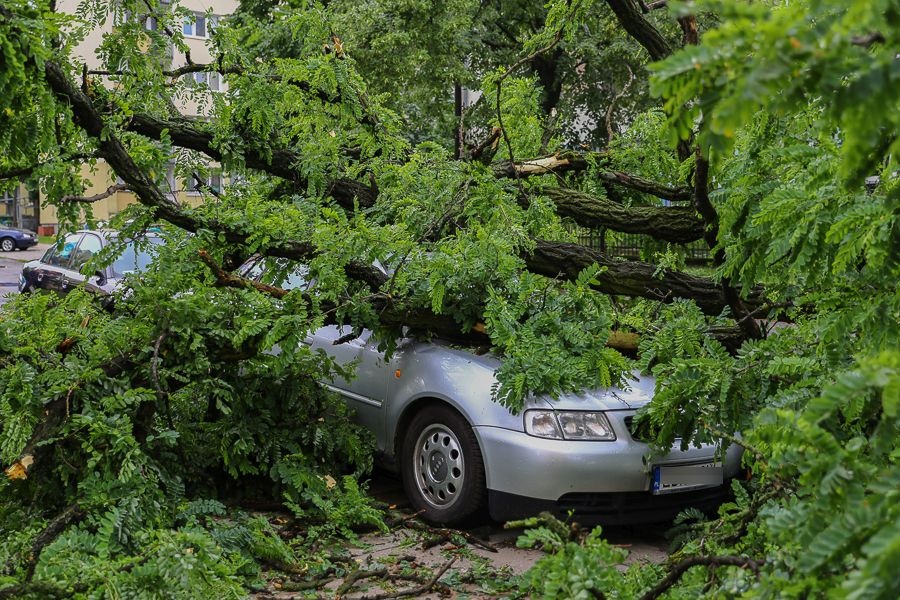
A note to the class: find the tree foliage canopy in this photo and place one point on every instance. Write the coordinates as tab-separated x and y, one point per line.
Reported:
767	130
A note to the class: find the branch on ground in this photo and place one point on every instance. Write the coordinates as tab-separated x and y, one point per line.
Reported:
418	591
679	569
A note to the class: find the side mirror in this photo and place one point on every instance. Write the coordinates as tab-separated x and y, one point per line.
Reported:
101	278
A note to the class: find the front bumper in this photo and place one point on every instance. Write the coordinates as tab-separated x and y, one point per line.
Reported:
559	474
617	508
26	243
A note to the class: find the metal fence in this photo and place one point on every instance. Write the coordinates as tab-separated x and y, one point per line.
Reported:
637	246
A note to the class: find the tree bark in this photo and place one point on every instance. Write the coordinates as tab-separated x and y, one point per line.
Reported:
630	278
676	224
640	29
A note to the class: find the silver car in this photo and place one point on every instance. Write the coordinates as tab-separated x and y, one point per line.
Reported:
457	451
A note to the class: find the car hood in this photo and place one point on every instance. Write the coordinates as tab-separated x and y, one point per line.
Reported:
633	394
18	230
636	391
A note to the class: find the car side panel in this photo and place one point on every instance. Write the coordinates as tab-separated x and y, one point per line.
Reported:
422	370
366	392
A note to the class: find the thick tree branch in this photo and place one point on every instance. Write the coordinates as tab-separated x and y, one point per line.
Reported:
629	278
561	162
676	224
188	134
564	162
640	28
551	259
111	149
391	312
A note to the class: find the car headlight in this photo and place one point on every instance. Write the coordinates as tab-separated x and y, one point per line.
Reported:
569	425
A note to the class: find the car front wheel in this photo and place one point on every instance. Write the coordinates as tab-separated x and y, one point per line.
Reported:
443	473
7	245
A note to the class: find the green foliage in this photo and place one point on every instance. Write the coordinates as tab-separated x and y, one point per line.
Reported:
581	568
152	416
521	115
182	563
539	339
160	402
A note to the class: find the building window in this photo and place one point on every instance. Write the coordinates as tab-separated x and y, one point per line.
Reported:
213	182
211	80
199	25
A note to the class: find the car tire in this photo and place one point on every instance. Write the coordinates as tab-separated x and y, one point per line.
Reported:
7	244
441	466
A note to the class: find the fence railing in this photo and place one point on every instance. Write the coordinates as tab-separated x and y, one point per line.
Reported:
634	245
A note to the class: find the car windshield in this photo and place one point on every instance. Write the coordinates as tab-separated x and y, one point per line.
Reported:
279	272
136	255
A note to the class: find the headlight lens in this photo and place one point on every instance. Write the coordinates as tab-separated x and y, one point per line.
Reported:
568	425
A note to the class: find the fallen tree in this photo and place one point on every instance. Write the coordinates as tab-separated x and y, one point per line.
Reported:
120	431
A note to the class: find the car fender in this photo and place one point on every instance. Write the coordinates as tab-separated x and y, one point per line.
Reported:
423	372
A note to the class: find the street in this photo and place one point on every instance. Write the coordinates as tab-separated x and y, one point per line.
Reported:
11	264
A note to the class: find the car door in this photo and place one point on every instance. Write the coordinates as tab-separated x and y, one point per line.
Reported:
89	245
366	391
54	265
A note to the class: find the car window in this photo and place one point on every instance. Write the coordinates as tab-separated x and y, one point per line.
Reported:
136	256
89	246
281	273
60	255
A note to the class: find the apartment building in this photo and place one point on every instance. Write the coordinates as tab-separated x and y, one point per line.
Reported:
197	31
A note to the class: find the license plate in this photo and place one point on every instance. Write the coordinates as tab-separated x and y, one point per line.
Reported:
670	479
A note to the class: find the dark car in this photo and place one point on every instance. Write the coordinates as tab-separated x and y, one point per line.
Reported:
62	266
13	237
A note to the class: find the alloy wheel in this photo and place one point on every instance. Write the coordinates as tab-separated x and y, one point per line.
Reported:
439	465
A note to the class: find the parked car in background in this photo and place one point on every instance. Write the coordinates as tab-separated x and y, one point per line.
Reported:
12	238
430	409
61	267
